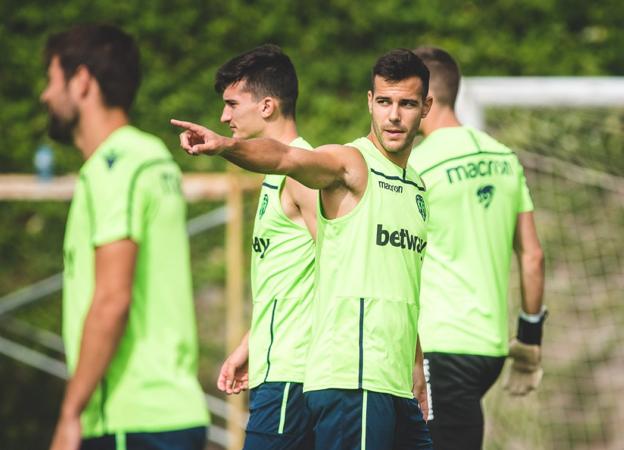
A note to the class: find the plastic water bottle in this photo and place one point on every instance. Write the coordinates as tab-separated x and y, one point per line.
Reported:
44	162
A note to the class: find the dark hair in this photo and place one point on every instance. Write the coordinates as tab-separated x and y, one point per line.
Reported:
110	55
398	65
445	74
267	71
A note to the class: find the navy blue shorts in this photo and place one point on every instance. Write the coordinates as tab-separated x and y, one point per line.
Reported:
278	418
356	419
186	439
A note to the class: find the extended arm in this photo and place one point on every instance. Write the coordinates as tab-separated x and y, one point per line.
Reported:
103	328
328	166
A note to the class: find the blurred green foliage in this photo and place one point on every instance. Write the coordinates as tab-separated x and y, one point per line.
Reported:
554	132
333	45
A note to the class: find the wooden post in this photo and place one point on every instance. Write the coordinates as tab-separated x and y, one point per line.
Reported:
234	296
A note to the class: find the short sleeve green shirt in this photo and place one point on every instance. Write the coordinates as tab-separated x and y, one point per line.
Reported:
476	190
130	188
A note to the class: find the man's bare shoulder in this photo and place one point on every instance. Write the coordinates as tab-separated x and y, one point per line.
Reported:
354	167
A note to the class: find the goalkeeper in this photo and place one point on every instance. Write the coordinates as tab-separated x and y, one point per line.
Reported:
481	210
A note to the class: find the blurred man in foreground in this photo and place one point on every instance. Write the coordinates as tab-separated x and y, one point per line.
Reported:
128	316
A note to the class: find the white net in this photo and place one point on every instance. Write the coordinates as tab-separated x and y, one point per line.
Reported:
574	162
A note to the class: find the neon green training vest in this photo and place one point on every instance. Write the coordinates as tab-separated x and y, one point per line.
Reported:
368	262
282	278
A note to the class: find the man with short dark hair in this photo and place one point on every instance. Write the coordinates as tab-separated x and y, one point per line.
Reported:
482	210
364	366
260	89
128	316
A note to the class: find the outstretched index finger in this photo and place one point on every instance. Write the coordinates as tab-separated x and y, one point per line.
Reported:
188	125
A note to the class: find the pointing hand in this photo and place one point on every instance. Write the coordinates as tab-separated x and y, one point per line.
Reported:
196	140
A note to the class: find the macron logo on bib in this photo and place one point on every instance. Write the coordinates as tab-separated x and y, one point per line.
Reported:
401	239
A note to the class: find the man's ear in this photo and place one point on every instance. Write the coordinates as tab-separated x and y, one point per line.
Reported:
268	107
427	106
370	101
80	82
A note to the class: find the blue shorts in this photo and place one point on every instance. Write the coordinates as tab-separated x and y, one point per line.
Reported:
186	439
278	418
356	419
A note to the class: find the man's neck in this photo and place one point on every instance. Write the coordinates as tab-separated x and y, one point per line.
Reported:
95	127
282	130
439	118
398	158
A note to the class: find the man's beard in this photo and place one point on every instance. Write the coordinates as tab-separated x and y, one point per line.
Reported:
382	141
60	129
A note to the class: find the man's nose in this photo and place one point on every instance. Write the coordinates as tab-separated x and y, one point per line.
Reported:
394	113
225	116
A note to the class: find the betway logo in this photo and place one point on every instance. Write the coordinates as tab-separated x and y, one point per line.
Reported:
401	238
260	245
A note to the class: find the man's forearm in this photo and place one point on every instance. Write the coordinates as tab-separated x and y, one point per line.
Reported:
315	170
103	328
244	344
532	281
257	155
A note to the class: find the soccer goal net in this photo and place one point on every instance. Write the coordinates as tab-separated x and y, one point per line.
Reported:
569	135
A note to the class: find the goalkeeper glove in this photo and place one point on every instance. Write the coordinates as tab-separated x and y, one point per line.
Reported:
525	351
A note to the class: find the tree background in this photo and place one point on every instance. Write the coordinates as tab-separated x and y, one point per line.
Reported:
333	45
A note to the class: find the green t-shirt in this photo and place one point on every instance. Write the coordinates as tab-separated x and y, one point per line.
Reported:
476	189
130	188
368	263
282	280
